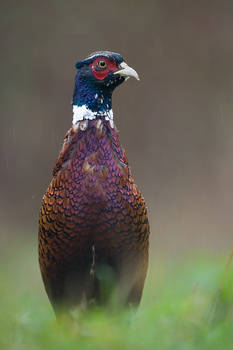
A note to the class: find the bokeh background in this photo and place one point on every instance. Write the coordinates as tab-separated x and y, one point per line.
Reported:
176	124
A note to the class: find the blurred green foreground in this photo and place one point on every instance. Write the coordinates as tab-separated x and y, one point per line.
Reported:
181	308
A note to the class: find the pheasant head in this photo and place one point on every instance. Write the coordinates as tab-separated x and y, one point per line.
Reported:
97	76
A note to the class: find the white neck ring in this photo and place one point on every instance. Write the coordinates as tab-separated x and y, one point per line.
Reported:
84	113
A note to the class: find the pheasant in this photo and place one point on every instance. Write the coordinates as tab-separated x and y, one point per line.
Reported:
93	226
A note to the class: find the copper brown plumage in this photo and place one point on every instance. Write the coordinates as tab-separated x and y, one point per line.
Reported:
93	217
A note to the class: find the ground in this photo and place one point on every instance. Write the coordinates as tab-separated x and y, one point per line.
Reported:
182	308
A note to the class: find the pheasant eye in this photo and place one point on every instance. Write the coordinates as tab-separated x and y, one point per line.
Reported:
102	64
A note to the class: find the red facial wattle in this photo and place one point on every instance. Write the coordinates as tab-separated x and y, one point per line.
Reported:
99	73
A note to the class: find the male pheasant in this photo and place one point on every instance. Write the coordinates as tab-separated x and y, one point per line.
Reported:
93	227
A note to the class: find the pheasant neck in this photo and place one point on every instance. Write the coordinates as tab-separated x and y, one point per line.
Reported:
91	100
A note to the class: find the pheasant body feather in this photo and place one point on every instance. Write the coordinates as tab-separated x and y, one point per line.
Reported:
92	217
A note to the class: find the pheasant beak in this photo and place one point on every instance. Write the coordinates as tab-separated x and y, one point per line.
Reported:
127	71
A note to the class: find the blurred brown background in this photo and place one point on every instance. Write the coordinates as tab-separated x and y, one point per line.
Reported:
176	124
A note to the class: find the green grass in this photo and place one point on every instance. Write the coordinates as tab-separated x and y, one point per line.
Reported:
181	309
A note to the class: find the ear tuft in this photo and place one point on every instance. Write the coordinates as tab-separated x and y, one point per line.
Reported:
78	64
